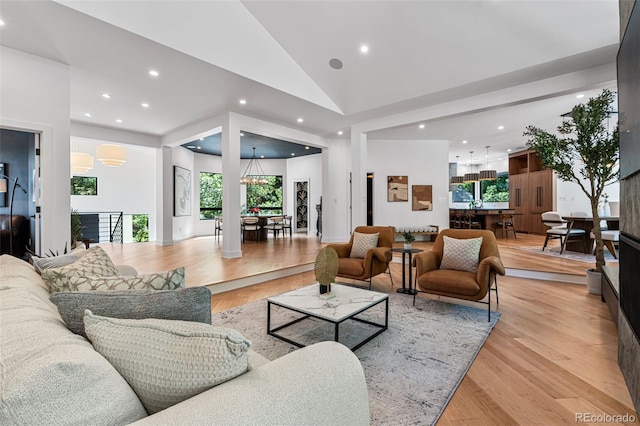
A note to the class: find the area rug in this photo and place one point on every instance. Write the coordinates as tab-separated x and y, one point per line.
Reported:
412	369
567	254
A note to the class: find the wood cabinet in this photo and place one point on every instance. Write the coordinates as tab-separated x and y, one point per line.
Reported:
531	191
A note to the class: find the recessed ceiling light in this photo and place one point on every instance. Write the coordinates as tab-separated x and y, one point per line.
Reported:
464	141
199	147
306	147
300	120
293	153
500	127
580	96
106	96
201	139
154	73
86	114
421	126
340	132
191	146
1	23
144	105
118	120
241	134
509	150
243	101
364	48
262	156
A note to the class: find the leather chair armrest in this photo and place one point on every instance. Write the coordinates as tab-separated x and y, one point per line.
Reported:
425	262
343	250
383	254
486	265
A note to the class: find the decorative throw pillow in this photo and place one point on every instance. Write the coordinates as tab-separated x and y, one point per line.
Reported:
188	304
362	243
94	263
461	254
42	263
165	361
168	280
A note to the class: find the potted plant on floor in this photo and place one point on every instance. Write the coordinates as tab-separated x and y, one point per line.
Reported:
408	238
586	152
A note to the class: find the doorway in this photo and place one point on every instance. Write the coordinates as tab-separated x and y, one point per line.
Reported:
370	199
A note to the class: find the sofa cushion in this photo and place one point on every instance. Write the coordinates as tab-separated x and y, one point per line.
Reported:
362	243
351	266
165	361
168	280
447	281
42	263
461	254
94	263
49	374
188	304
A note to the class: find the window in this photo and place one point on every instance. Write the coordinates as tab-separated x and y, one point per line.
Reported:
492	191
210	195
84	185
463	192
140	224
267	198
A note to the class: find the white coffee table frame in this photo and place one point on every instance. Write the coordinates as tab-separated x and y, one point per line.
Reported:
348	303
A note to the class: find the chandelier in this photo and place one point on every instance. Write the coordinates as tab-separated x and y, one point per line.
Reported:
471	177
253	174
111	155
457	179
488	174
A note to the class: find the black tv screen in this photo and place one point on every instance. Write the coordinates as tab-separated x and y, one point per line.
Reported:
629	96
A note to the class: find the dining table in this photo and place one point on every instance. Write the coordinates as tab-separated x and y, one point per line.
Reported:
586	223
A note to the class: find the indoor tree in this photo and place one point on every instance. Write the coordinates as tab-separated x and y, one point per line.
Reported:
585	152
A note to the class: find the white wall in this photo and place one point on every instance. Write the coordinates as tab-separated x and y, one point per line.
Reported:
184	226
35	97
130	188
570	197
308	167
336	165
425	163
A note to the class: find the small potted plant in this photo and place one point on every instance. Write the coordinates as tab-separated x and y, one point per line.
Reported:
408	238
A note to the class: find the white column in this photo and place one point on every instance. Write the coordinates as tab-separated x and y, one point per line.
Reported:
164	198
358	185
231	187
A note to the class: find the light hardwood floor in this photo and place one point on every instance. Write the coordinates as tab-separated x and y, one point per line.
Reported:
552	354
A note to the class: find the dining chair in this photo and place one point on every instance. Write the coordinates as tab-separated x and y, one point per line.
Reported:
562	229
250	224
505	223
275	224
470	222
287	224
217	230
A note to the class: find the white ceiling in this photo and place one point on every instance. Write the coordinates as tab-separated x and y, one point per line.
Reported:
275	55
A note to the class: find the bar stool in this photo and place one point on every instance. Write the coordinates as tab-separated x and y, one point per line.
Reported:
506	224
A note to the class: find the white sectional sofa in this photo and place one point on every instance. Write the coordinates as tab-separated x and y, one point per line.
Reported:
52	376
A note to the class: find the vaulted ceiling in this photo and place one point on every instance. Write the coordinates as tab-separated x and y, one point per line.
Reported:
276	55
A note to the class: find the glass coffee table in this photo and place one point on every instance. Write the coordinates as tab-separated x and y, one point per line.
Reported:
347	303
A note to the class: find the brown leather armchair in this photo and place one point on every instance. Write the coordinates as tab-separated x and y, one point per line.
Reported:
20	238
376	260
460	284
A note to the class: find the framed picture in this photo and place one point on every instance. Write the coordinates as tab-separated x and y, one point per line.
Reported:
422	197
397	188
181	191
301	194
3	195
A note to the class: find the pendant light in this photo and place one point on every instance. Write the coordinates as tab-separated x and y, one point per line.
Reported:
81	163
471	177
488	174
111	155
457	179
253	174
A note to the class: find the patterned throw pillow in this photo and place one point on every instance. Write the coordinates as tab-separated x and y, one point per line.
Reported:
42	263
362	243
94	263
185	304
165	361
168	280
461	254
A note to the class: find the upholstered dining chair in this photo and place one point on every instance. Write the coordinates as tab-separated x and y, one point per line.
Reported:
286	224
362	258
461	266
563	230
275	224
250	224
217	227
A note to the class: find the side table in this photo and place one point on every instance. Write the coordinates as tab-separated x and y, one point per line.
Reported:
407	289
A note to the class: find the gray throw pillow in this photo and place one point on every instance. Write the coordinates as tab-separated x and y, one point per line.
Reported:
189	304
167	362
